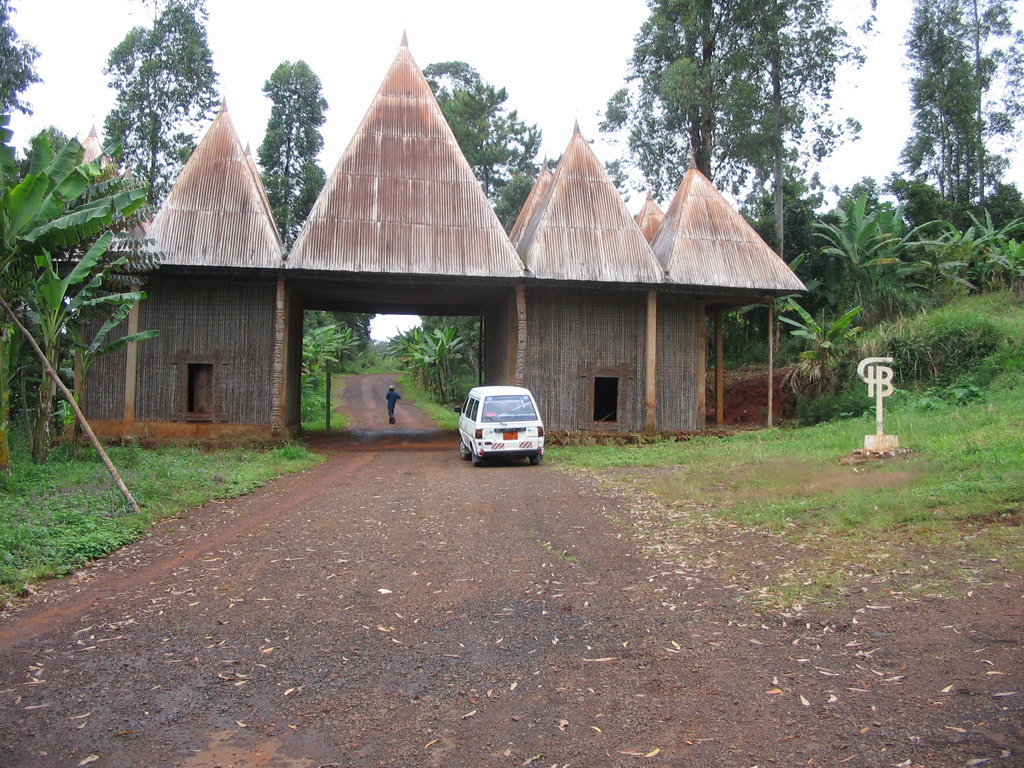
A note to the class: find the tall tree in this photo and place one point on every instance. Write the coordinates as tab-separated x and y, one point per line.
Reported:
967	94
166	88
498	145
17	65
289	149
741	87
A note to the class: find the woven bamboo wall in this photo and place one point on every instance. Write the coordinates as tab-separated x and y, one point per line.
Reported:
677	363
576	336
104	387
227	324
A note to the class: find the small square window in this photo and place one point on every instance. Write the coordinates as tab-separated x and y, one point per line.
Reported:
606	398
200	389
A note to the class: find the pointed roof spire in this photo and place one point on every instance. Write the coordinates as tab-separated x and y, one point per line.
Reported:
403	199
92	149
704	241
405	40
576	126
580	229
649	217
536	196
217	212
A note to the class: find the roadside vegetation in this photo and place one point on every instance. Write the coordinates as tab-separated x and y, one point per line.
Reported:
443	415
58	516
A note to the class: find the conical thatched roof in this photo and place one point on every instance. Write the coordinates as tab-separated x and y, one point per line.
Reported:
403	198
581	230
535	198
704	241
93	149
217	213
649	218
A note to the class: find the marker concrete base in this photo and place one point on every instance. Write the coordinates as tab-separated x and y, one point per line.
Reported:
881	442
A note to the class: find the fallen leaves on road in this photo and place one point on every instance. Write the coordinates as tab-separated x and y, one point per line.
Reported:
638	753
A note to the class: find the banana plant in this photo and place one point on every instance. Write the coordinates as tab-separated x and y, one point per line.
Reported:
869	248
10	355
56	303
57	208
973	257
432	358
818	368
87	350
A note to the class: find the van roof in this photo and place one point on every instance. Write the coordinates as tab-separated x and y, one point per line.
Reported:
499	390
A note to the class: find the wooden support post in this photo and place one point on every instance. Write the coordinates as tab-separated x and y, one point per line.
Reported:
719	369
702	365
131	371
278	374
771	361
651	367
521	331
481	350
327	386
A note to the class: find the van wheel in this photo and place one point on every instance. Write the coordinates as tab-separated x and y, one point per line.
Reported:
464	452
535	460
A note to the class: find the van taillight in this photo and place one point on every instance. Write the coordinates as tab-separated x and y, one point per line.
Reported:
479	434
540	431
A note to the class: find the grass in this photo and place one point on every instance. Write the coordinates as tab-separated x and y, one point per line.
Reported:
947	516
314	411
57	516
443	416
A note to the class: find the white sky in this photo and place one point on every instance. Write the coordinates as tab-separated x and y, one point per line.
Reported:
560	60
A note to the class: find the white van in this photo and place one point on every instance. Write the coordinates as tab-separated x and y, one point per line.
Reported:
496	422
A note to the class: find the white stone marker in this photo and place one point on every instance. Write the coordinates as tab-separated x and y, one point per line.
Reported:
879	381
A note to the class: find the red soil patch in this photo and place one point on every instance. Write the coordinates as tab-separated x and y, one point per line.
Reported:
746	397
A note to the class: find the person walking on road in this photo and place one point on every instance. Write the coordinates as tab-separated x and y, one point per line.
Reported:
392	397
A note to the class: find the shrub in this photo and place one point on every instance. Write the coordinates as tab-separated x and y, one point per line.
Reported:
848	402
942	348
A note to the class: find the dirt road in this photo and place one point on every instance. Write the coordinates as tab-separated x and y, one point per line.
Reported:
396	606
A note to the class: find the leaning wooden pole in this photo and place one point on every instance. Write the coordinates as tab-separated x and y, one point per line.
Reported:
74	406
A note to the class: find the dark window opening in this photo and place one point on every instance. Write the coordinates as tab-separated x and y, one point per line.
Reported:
200	388
606	398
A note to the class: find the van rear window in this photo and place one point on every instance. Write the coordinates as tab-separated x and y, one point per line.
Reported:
503	408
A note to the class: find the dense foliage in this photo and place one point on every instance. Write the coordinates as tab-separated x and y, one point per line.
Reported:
64	244
17	65
166	88
967	94
288	154
741	88
501	148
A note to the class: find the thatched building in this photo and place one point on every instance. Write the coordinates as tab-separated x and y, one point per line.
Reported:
603	316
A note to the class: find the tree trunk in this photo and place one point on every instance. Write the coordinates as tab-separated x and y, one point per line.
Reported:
777	151
40	437
48	369
980	138
6	379
79	393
